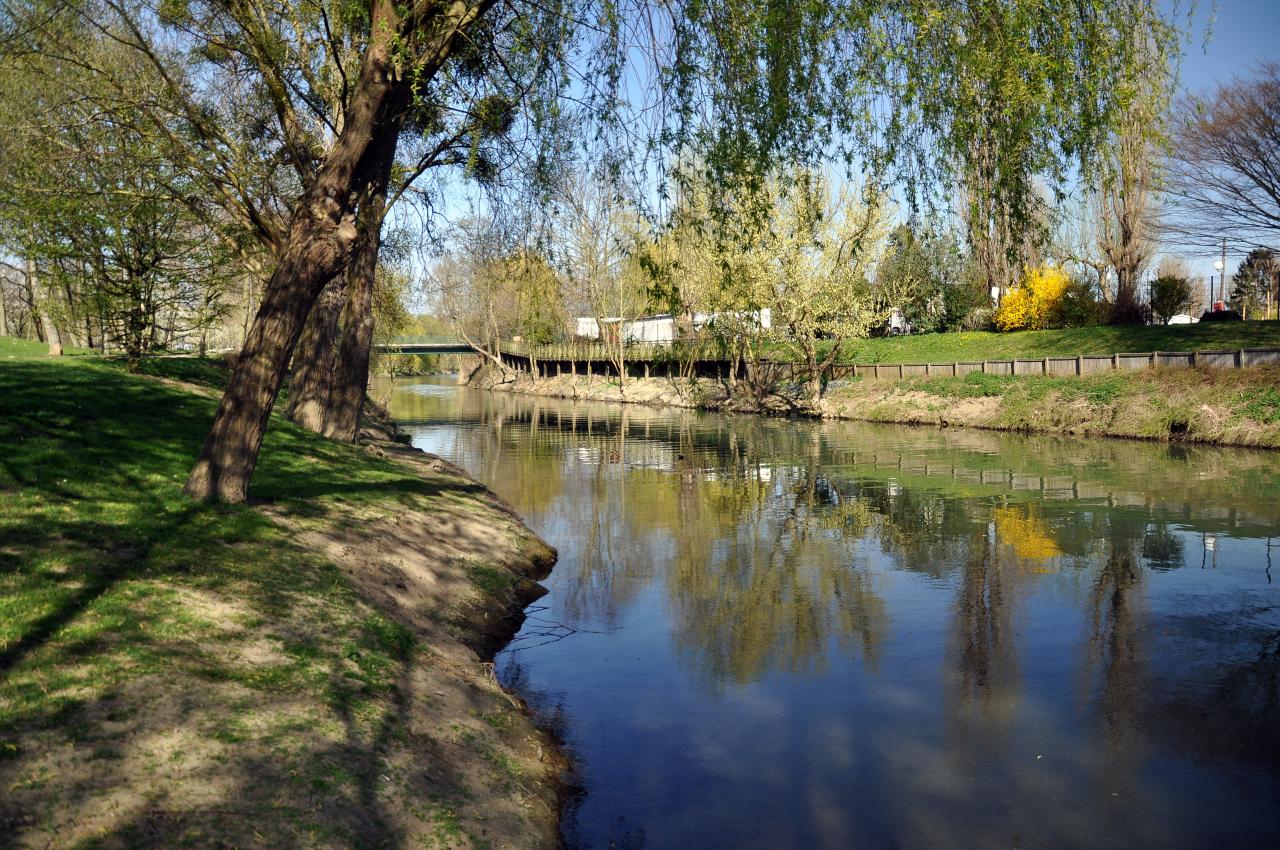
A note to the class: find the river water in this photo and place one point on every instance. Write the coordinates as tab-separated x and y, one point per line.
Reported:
777	634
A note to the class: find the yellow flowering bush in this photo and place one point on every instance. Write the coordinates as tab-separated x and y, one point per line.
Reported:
1037	303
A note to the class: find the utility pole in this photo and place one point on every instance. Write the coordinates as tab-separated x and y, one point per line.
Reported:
1222	282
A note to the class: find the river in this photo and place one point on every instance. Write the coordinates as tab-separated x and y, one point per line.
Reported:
765	633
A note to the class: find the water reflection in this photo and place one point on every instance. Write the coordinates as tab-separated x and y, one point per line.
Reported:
797	634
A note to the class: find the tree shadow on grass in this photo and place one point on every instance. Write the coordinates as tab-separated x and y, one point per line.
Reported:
100	553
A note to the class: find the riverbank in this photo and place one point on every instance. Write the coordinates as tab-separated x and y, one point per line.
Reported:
306	671
1222	407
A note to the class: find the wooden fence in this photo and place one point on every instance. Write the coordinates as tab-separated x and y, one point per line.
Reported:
565	358
1084	364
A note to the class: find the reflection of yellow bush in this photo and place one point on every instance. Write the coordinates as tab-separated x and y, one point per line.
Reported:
1036	303
1026	534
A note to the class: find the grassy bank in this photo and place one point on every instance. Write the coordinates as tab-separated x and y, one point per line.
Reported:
299	673
981	345
1228	407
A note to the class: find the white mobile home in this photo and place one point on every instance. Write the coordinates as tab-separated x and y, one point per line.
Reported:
660	329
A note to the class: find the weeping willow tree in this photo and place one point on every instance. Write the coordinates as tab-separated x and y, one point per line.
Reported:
329	94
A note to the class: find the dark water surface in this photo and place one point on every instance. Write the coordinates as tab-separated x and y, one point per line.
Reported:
779	634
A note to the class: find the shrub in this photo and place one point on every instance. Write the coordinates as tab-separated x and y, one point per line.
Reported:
1170	295
1081	307
1037	303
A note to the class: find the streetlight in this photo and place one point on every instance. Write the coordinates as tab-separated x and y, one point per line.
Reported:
1217	264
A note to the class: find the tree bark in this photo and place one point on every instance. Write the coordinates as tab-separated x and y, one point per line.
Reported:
351	372
320	238
313	363
41	298
321	235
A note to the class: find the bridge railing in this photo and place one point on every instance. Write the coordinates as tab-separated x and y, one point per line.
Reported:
426	339
702	350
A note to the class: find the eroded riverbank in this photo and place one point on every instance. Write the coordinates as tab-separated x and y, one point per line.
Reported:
1214	407
309	671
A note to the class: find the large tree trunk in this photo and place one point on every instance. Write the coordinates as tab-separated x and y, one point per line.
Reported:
317	248
41	300
320	239
351	375
313	363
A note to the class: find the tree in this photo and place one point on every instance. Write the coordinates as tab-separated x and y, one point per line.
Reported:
808	264
1225	163
1130	174
1170	295
925	275
743	85
1257	277
596	255
121	261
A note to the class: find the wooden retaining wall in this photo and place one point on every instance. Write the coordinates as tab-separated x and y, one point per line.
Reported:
1085	364
644	360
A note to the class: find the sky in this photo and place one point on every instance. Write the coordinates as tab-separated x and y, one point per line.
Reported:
1242	34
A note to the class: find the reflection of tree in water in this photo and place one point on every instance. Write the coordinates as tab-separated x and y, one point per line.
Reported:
613	560
982	668
1161	548
1115	658
778	584
754	527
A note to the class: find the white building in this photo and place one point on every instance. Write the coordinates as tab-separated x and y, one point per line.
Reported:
660	329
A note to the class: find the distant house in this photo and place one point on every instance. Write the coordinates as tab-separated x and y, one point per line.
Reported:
661	329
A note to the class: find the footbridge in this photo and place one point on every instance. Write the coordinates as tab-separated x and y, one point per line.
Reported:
425	345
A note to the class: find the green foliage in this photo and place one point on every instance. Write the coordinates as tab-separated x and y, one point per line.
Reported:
117	250
1081	307
926	276
1261	404
1257	275
1170	295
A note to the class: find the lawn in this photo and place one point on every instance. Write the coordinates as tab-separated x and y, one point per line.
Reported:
12	347
983	345
164	663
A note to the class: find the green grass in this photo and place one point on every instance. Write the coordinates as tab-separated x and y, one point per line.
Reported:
1099	389
12	347
982	345
102	556
1227	406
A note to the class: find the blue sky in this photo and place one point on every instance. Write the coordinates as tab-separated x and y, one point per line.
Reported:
1243	33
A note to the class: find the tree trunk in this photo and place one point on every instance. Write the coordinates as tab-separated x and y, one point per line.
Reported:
313	363
41	300
351	374
814	378
321	235
320	238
